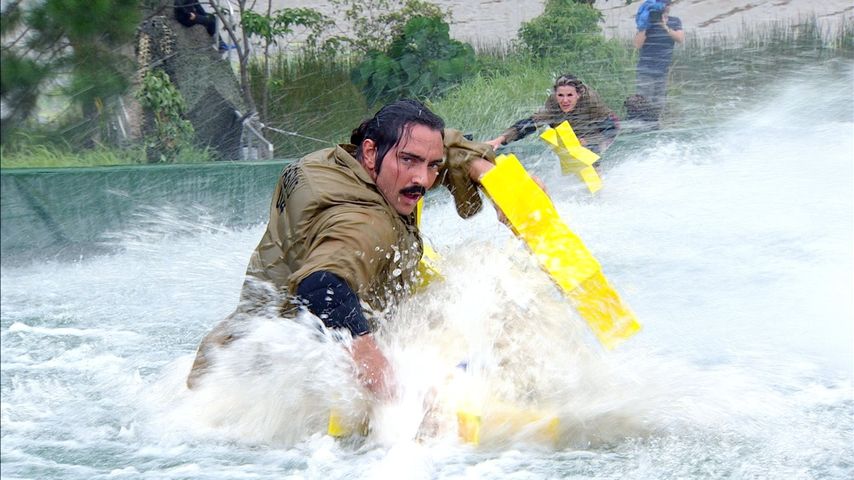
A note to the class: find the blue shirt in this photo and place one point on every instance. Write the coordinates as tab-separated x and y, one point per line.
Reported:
657	51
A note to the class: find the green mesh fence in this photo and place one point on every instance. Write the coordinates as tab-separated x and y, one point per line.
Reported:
47	213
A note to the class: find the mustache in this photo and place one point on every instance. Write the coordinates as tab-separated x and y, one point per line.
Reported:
414	189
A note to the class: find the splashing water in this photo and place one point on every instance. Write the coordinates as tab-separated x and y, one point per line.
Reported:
732	242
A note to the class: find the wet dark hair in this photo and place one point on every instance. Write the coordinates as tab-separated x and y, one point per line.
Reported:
570	80
389	125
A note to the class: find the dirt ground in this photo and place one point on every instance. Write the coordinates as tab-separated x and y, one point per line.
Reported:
489	22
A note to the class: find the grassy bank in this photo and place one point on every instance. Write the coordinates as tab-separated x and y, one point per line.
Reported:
719	73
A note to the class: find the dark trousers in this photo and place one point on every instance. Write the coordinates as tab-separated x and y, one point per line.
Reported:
653	87
209	21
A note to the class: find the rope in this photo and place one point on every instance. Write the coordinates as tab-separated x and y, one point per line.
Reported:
295	134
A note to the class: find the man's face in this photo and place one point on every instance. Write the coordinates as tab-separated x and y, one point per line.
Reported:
408	169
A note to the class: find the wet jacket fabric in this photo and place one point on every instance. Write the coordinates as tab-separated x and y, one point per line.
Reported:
591	120
327	214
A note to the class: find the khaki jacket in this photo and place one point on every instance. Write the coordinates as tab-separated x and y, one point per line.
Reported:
327	214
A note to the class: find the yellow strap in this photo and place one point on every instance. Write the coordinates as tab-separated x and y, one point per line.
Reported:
428	266
574	157
559	251
335	427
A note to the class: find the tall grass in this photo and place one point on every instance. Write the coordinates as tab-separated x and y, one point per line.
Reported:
47	156
53	156
709	69
313	104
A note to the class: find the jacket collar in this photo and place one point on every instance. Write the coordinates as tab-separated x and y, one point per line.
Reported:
345	154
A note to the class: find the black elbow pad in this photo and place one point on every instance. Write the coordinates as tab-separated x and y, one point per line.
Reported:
333	301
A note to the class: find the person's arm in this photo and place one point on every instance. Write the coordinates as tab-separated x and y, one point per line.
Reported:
328	296
347	250
467	162
478	167
458	174
640	39
676	33
517	131
183	12
497	142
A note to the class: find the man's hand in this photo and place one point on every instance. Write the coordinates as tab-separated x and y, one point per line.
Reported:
372	367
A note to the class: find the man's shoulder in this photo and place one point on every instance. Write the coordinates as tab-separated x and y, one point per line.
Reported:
675	23
332	177
318	156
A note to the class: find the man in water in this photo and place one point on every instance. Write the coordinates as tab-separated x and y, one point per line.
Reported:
342	231
657	33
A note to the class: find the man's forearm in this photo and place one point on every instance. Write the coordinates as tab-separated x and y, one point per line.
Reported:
333	301
478	167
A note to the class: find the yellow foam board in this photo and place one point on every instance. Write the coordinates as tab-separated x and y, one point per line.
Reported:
559	251
574	157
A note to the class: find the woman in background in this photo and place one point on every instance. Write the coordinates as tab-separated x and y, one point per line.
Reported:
571	100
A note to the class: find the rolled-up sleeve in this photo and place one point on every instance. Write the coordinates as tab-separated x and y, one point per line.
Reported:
459	154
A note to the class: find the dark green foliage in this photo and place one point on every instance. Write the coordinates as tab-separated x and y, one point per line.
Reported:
373	25
172	133
423	61
565	28
74	40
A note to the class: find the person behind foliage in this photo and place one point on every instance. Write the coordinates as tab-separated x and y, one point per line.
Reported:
571	100
342	232
190	12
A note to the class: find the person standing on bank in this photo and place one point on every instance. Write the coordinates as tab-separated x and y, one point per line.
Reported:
657	34
342	232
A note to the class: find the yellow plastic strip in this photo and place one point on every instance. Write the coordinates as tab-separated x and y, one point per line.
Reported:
574	157
339	427
428	268
336	427
501	418
559	251
468	426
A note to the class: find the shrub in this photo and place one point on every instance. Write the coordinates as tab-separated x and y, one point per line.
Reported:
172	131
565	27
423	61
